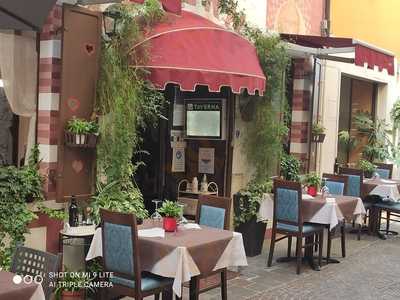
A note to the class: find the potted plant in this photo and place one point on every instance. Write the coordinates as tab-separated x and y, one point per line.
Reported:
312	181
72	285
170	211
367	167
81	132
318	133
290	167
246	204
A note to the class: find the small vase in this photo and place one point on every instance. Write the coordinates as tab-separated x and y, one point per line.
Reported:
312	191
169	224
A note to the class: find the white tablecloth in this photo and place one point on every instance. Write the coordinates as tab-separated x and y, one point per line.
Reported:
179	264
38	294
328	214
387	190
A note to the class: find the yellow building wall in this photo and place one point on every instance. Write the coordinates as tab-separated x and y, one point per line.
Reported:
373	21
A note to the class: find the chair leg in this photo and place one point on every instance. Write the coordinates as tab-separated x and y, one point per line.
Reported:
299	242
316	243
328	247
343	240
289	247
321	246
359	232
387	221
167	294
224	284
271	248
194	290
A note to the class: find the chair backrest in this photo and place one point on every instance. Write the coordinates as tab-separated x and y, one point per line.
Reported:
385	171
337	184
287	203
27	261
214	211
120	246
355	181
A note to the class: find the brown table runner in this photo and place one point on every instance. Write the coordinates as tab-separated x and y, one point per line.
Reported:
205	246
346	204
370	184
11	291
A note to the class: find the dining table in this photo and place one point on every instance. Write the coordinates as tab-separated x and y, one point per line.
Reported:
192	250
387	190
327	210
14	287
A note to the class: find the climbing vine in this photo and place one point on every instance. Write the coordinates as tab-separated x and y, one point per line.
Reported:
126	102
264	144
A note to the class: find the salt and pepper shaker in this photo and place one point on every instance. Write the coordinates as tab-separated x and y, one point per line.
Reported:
195	185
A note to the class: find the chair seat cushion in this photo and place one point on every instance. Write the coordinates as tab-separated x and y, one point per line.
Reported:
389	205
307	227
149	282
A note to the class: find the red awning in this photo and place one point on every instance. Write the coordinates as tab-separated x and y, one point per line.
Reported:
190	50
364	53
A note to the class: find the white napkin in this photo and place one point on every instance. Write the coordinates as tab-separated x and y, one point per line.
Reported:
388	181
307	197
330	200
152	232
192	226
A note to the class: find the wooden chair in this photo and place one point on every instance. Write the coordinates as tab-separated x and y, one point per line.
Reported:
355	189
27	261
213	211
385	171
337	185
121	256
288	221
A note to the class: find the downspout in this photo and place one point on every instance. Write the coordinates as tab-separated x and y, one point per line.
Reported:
327	20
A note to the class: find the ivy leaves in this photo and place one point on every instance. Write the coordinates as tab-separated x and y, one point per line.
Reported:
126	103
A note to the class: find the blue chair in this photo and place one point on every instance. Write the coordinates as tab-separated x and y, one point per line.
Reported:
337	185
213	211
121	256
288	221
385	171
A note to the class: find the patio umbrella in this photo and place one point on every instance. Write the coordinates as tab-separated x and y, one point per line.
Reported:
23	14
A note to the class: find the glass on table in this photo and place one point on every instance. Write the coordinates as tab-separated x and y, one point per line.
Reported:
156	217
182	219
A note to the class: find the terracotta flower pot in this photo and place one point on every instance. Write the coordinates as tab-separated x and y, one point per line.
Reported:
312	191
169	224
77	295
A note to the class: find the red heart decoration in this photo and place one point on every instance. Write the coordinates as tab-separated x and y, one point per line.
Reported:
77	166
73	104
89	49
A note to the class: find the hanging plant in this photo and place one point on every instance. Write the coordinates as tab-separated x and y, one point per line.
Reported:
395	114
126	102
264	141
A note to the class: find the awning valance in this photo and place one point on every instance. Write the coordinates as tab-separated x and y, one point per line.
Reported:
363	53
23	14
190	50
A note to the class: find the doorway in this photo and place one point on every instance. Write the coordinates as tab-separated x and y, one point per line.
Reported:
355	96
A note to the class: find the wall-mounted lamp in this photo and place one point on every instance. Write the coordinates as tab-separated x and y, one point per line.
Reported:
110	22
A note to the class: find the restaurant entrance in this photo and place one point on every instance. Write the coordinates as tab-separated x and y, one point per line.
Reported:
192	145
356	96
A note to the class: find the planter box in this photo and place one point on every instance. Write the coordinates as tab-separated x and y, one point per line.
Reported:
318	138
80	140
253	233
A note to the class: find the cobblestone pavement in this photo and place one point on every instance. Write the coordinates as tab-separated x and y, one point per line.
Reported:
371	270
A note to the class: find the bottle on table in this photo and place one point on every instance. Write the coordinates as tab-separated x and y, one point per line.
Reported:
73	212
